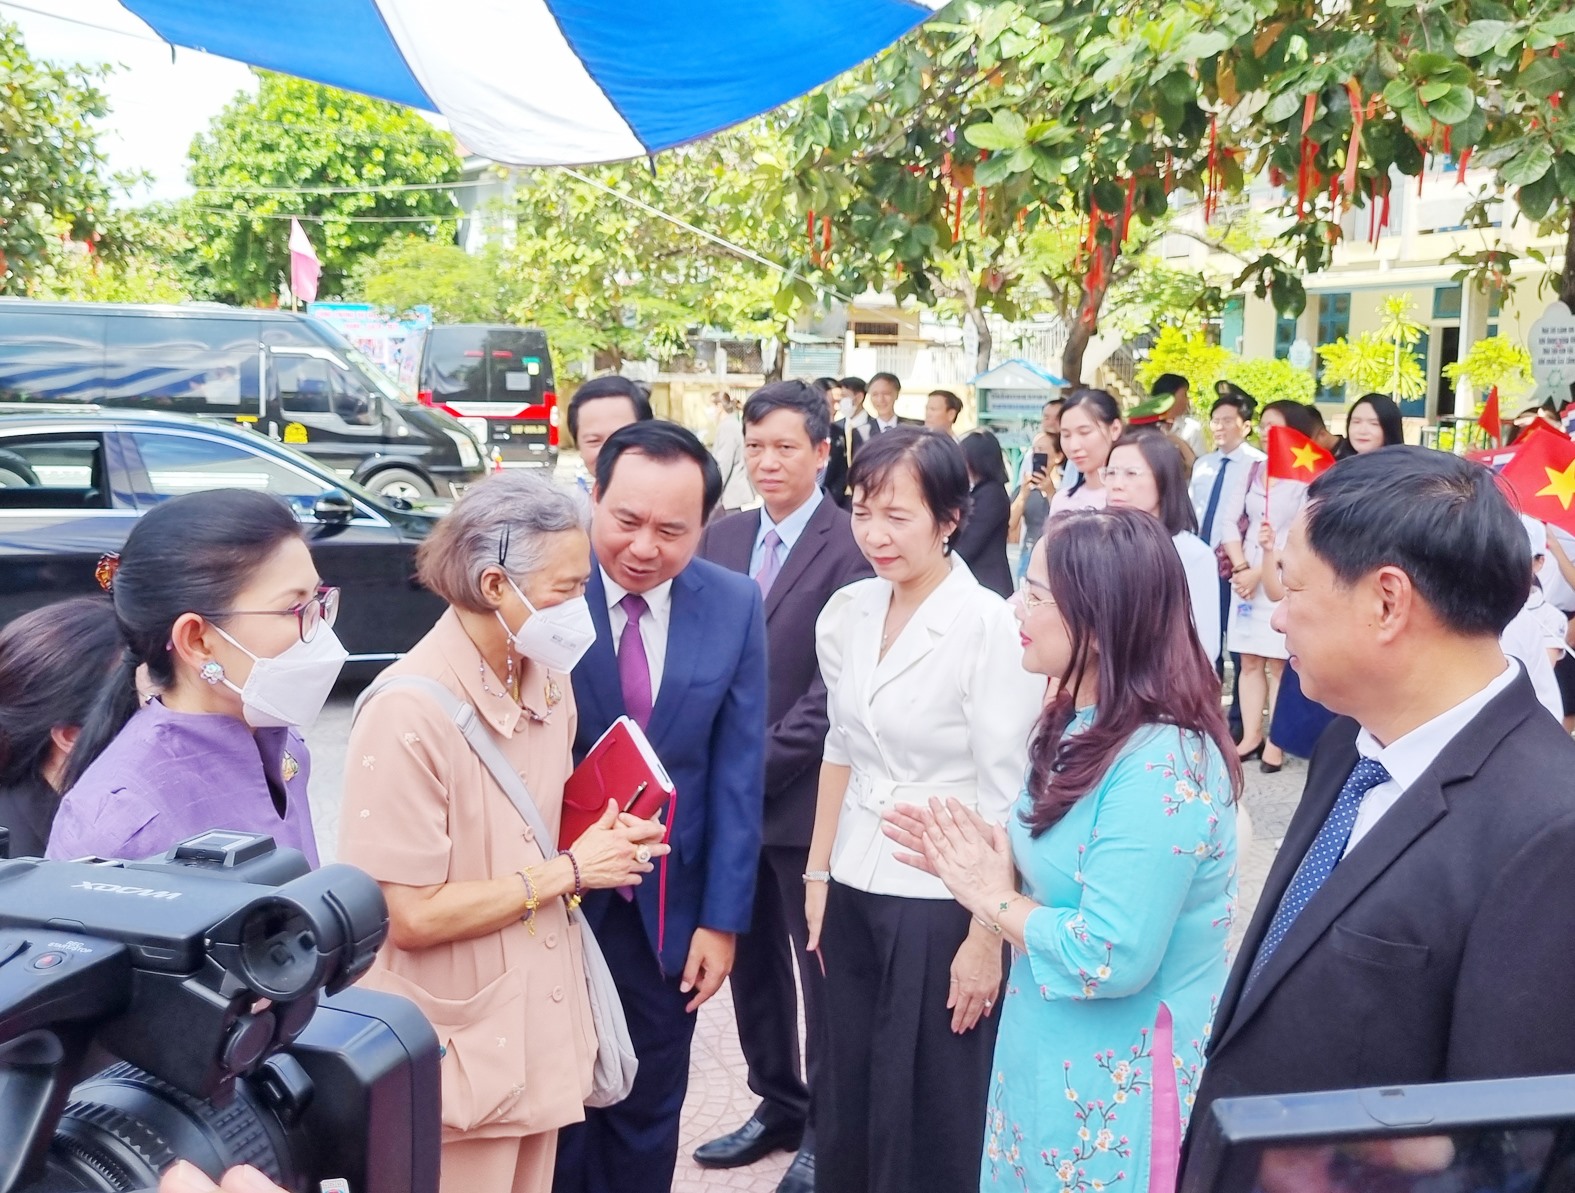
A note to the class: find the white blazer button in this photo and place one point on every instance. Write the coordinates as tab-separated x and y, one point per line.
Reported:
557	994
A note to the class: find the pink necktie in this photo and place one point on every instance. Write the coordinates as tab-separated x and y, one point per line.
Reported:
634	669
771	564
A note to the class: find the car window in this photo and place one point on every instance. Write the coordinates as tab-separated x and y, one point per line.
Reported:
179	464
306	384
52	472
181	363
51	356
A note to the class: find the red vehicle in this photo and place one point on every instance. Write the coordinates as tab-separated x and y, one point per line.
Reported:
497	380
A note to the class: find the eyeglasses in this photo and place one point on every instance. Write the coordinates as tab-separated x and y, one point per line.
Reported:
1030	599
1122	474
320	609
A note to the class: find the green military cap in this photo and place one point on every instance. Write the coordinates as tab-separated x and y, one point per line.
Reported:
1151	411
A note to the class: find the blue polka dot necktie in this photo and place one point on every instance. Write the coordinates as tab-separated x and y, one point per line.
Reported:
1327	848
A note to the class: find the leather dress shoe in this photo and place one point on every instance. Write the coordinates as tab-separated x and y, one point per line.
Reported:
748	1144
800	1176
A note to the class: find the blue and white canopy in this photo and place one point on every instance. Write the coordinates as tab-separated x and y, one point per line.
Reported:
552	82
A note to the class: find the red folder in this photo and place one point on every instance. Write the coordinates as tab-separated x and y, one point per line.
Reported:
621	766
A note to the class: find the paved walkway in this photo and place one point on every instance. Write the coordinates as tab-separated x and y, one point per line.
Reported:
719	1098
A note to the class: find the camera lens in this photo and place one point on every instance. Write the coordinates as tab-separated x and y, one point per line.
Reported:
123	1127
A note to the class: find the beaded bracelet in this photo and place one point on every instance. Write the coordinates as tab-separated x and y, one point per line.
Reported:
573	901
531	902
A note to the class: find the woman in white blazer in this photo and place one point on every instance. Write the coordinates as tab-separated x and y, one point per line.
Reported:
1145	472
926	696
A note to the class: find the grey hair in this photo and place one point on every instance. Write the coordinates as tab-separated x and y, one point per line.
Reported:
502	522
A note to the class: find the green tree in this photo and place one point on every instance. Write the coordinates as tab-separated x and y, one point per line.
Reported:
408	272
51	170
1382	361
344	163
1337	99
936	162
607	275
1192	356
146	269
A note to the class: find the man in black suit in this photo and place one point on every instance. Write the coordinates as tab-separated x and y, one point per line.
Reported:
881	401
1418	924
799	549
834	474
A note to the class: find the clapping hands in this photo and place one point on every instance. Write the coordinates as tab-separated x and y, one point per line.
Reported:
964	850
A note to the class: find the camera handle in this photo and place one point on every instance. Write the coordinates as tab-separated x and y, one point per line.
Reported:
55	988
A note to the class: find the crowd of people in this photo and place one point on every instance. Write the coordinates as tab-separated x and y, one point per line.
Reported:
989	829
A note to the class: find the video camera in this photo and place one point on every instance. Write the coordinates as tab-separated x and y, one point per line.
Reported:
201	972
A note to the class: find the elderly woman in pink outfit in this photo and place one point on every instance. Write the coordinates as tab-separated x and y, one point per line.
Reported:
479	930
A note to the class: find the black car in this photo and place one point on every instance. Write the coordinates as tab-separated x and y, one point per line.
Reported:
73	481
287	376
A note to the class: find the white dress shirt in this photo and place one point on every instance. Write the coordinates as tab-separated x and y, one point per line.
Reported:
653	626
1241	458
1528	637
947	712
1407	757
789	531
1203	587
1190	431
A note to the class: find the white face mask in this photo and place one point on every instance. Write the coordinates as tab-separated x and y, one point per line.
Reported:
290	689
845	408
556	637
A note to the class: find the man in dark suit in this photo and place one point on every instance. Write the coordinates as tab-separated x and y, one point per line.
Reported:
799	549
834	475
681	649
1417	923
881	399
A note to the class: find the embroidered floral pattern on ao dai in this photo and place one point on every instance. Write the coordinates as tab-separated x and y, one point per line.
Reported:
1107	1013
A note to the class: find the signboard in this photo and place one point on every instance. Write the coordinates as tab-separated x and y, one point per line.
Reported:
1552	348
394	345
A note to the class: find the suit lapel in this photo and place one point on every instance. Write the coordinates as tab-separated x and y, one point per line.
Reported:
1422	805
928	625
736	544
597	672
685	628
810	544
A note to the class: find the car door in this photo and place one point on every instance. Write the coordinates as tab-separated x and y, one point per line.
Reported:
383	612
59	514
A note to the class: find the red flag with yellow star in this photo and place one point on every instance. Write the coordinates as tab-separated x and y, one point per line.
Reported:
1542	479
1294	457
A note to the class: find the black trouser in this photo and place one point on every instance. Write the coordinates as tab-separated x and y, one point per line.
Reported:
633	1147
1233	717
765	999
902	1098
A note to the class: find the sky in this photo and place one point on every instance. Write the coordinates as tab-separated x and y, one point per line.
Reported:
156	106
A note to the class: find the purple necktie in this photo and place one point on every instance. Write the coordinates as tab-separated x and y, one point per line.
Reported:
634	669
771	564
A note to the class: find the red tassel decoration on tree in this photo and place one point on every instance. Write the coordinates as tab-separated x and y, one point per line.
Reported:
1211	180
1465	160
1304	170
1353	151
1126	212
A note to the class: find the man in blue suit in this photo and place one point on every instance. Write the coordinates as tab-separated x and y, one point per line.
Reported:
681	649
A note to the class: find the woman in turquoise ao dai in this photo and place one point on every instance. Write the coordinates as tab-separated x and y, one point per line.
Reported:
1125	840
